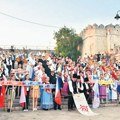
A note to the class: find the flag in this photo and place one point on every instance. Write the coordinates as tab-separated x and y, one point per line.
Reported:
2	95
114	75
22	96
70	84
58	99
96	100
103	68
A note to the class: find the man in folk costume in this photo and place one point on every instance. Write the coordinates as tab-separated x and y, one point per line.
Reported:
72	89
9	63
39	71
71	92
80	81
88	90
84	86
13	57
2	74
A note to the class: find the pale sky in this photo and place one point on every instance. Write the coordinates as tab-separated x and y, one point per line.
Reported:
76	14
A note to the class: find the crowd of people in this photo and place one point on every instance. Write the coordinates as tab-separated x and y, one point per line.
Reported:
47	68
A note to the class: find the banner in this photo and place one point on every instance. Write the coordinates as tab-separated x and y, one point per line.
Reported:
19	71
103	82
107	82
27	83
82	105
12	83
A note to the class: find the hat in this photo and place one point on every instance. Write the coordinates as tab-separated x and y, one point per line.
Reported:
74	75
78	76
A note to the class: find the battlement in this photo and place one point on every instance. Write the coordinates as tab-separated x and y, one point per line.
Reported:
100	38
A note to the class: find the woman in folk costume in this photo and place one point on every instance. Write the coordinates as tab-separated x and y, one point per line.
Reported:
64	90
11	92
27	93
59	67
39	71
47	98
44	77
103	88
20	59
70	90
35	94
30	65
113	89
19	77
94	75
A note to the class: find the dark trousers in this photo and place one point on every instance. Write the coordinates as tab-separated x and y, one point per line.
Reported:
13	64
18	91
26	104
9	68
70	102
56	106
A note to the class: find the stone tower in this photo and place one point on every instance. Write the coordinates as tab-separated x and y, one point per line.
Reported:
100	38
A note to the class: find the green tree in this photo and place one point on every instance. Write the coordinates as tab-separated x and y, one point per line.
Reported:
68	43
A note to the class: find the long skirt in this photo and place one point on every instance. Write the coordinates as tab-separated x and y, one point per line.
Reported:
103	92
46	100
64	90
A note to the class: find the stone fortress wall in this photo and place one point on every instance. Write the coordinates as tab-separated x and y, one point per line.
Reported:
100	38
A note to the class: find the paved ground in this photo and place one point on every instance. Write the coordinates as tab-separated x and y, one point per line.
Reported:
105	113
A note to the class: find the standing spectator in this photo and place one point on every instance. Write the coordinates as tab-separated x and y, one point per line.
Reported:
9	64
47	98
13	60
27	93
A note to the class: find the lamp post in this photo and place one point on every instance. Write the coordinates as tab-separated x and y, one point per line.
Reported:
117	15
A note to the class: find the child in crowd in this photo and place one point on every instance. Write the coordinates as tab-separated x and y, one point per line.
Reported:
35	94
27	93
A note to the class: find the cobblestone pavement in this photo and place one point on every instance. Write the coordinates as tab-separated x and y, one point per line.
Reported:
105	113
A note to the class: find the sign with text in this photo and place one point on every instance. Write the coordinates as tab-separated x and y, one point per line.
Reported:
27	83
82	105
107	82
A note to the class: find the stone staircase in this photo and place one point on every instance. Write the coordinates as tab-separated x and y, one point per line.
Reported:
17	107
